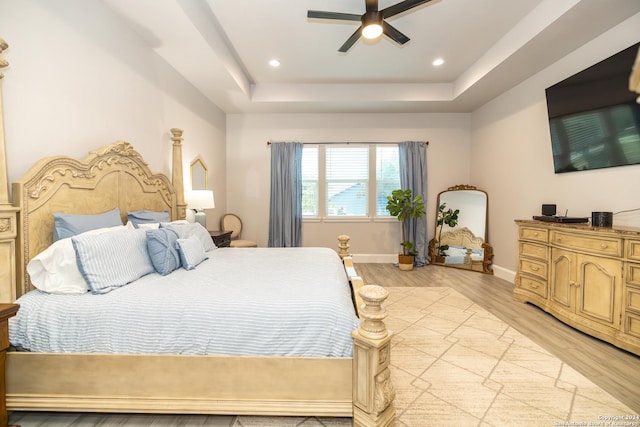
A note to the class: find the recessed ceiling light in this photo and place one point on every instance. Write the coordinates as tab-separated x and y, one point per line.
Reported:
437	62
274	63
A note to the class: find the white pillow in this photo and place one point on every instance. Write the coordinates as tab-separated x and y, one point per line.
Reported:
453	251
149	226
55	270
191	252
184	231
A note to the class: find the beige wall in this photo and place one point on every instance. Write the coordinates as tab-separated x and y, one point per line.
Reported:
248	166
512	160
79	78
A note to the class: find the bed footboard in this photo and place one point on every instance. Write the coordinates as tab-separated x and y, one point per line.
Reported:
373	391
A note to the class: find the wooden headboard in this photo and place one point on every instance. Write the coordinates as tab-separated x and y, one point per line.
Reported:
113	176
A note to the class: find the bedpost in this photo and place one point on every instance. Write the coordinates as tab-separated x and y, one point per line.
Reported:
343	246
373	391
8	212
4	173
177	178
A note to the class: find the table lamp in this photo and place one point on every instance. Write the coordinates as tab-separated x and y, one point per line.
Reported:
200	200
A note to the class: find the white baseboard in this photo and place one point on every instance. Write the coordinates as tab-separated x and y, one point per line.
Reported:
505	274
375	258
500	272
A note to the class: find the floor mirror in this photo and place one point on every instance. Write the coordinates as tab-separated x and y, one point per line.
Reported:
460	238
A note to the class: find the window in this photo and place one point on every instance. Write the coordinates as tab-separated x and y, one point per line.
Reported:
347	181
341	181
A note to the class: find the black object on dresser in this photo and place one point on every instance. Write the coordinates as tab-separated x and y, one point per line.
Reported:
222	239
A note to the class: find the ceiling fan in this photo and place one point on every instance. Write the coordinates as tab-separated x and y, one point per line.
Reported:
373	22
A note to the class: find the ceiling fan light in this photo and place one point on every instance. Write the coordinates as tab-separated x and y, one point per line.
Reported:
371	24
372	31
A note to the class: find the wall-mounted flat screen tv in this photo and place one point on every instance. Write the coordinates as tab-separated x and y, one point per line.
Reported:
594	118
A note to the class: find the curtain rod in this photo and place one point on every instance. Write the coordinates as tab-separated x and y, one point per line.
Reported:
347	143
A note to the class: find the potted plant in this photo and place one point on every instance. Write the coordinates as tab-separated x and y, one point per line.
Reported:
405	207
447	217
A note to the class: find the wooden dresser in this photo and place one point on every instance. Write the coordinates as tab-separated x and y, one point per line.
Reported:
588	277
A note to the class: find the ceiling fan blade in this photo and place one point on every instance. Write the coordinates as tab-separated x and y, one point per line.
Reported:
333	15
394	34
401	7
371	5
351	40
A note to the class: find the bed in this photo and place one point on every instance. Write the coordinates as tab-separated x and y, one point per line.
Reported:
116	175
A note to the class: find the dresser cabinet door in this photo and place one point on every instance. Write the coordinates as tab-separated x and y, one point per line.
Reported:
563	278
600	289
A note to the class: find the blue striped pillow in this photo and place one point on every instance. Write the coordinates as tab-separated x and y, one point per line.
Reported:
111	260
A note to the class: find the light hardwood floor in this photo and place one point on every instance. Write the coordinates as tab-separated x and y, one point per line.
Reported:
615	370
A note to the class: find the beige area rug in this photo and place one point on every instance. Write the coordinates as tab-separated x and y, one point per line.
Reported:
453	364
456	364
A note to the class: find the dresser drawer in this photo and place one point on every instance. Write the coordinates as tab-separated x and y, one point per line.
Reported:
533	250
632	251
632	324
633	274
633	299
593	244
534	268
533	284
534	233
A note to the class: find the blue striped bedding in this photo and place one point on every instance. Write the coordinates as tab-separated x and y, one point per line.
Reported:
249	301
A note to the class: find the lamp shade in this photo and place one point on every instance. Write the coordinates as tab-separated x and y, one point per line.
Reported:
200	199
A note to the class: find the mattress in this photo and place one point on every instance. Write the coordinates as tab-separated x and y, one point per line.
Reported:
249	301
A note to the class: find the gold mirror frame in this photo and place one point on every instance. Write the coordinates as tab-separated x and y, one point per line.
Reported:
469	237
199	175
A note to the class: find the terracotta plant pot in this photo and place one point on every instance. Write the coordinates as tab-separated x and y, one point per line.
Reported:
405	262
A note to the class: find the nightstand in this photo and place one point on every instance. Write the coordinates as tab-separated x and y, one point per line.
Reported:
6	311
222	239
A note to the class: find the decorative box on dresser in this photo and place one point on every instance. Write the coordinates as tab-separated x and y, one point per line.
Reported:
587	277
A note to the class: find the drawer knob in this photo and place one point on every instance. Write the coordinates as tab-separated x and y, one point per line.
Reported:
534	268
534	285
604	246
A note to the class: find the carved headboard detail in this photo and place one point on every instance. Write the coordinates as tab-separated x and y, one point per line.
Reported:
113	176
462	237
